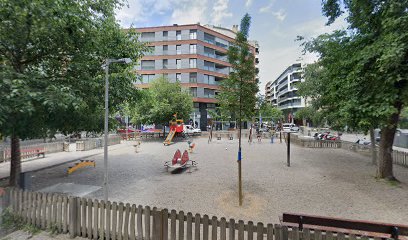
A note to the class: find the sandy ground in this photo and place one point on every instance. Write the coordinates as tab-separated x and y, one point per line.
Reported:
327	182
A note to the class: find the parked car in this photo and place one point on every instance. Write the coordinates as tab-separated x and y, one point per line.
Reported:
290	127
190	130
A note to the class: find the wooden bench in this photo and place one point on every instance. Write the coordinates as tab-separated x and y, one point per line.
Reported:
346	226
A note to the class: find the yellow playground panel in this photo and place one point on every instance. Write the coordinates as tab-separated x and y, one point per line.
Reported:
81	164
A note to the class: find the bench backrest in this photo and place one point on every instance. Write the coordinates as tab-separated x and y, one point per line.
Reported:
176	156
393	229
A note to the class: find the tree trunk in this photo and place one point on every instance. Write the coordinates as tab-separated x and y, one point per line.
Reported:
387	141
15	165
373	151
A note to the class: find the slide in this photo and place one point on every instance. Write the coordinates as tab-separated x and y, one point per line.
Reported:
169	137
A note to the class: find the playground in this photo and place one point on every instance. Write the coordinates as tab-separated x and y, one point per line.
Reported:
327	182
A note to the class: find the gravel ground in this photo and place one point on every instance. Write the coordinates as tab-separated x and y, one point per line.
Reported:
22	235
327	182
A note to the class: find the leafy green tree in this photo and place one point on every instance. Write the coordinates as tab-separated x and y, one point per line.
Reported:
238	95
51	54
360	79
311	115
160	102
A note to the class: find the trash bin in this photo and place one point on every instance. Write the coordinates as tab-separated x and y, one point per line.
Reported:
25	180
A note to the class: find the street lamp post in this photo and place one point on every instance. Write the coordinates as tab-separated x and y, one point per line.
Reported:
105	147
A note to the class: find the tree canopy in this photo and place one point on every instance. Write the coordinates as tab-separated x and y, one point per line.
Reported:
360	79
160	102
51	53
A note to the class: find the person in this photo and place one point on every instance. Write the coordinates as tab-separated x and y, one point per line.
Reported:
250	135
195	124
258	135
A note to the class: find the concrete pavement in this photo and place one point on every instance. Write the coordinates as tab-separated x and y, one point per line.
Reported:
54	159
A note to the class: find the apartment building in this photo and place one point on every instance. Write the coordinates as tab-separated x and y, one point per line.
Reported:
282	92
192	54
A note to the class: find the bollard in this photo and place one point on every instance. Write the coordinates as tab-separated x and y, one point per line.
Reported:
272	138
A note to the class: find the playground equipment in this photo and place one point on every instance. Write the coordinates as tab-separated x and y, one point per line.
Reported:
180	161
81	164
176	126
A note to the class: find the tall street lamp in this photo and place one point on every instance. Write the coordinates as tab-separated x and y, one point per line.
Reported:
105	147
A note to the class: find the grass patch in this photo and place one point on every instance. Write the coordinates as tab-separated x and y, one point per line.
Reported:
14	222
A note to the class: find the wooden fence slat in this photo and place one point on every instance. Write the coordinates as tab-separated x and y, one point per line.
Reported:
223	229
83	217
140	222
54	209
197	226
102	219
49	211
241	230
120	221
250	230
78	220
34	209
278	232
147	223
189	225
20	202
214	228
181	225
38	214
173	216
43	214
156	227
132	234
231	229
205	227
59	213
89	215
317	235
329	235
95	219
165	224
65	219
352	237
269	232
108	209
295	233
72	217
341	236
259	231
114	220
29	205
126	222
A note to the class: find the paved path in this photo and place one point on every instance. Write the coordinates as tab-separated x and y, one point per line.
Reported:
54	159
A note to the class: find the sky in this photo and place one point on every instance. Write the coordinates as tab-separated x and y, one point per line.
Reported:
275	24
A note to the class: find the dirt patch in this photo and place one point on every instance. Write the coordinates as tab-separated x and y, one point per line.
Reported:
252	205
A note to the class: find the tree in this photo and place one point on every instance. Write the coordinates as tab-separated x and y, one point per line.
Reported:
266	110
160	102
51	72
238	91
311	115
360	79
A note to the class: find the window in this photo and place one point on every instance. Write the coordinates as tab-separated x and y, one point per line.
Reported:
193	77
146	78
165	75
209	66
196	105
193	48
193	92
193	34
165	63
147	65
178	63
178	35
178	77
208	93
210	105
165	49
178	49
208	79
193	63
147	36
150	51
165	34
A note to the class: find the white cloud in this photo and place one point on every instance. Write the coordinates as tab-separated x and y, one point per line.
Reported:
189	11
267	8
280	15
248	3
220	11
